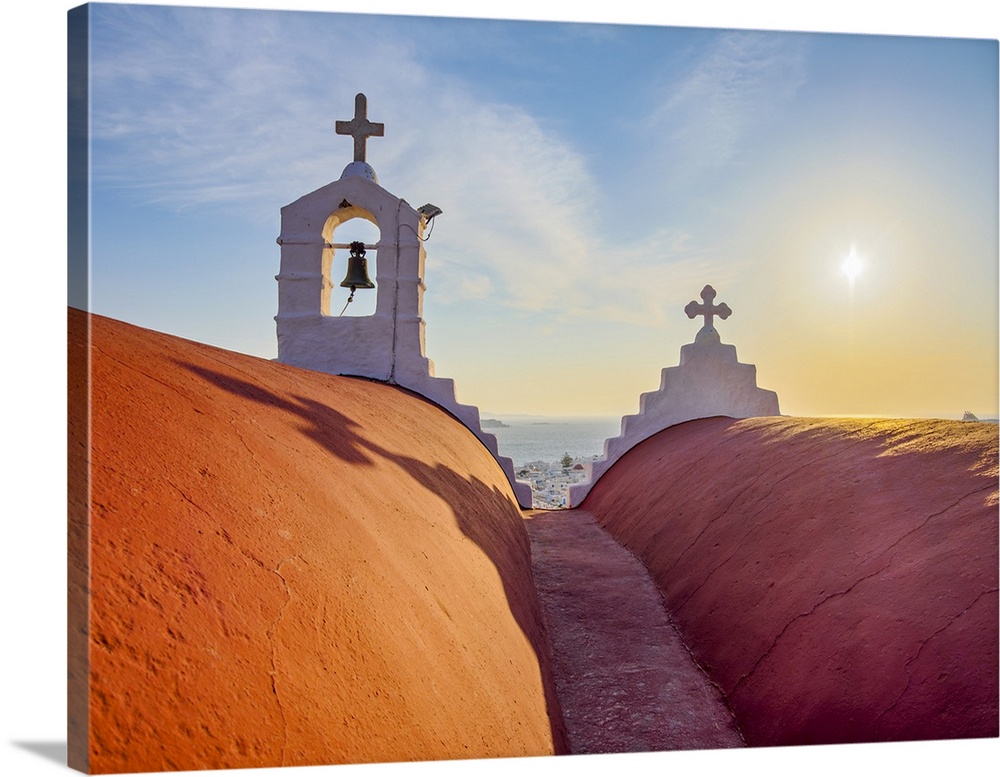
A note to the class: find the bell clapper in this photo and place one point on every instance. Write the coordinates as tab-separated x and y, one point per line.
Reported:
350	299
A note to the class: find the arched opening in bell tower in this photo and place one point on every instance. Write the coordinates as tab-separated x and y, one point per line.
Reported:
350	225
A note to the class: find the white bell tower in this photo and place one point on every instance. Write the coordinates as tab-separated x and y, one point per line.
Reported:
387	346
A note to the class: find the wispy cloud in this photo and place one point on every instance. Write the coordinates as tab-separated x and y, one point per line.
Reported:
237	109
200	106
741	84
525	213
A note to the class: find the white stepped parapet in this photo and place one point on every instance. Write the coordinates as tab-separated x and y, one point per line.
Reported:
709	381
441	391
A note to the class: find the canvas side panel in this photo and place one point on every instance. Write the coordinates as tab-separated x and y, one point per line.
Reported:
78	362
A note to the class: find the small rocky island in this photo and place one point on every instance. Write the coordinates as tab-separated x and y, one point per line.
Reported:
493	423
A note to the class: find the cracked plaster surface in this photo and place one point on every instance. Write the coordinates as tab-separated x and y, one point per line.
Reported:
283	571
269	567
837	578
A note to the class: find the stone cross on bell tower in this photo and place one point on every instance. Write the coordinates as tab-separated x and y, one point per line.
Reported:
709	311
360	128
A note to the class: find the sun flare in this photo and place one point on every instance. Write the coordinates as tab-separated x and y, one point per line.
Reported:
852	265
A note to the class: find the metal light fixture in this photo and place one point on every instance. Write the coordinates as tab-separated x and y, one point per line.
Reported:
429	211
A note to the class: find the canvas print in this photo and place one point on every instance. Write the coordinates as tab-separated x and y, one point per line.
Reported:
457	389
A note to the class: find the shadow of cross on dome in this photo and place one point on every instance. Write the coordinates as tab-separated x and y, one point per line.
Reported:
708	381
482	511
334	431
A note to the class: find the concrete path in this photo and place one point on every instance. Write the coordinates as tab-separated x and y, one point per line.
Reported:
625	681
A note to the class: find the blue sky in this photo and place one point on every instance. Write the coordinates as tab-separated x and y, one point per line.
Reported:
593	178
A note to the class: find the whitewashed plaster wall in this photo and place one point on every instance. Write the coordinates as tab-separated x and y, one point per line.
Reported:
709	381
387	346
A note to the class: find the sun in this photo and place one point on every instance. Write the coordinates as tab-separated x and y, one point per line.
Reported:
852	265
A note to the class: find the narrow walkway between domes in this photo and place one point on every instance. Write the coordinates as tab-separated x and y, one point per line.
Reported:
625	681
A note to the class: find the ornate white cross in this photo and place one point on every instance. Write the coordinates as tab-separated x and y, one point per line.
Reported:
360	127
707	309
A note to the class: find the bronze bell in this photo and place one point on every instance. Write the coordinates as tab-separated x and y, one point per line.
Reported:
357	269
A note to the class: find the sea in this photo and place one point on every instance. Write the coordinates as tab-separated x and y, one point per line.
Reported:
527	438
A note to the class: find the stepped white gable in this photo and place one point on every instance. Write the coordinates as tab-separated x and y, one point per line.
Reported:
709	381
